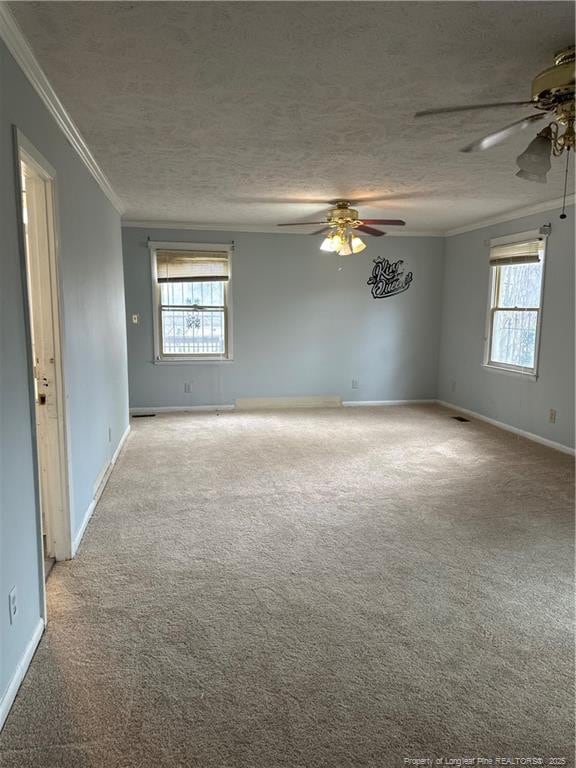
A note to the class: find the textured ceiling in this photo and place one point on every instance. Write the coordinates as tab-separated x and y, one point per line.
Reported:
200	112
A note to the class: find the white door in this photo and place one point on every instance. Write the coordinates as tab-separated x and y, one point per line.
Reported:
38	213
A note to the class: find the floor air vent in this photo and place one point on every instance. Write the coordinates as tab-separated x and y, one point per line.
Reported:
459	418
149	415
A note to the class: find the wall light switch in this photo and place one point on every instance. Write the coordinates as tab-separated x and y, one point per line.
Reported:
12	604
135	319
552	416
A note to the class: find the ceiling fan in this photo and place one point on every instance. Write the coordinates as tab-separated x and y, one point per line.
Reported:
553	96
341	224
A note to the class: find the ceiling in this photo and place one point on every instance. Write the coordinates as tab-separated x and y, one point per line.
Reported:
218	113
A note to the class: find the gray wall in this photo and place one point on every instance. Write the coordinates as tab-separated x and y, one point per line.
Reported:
301	325
510	399
94	350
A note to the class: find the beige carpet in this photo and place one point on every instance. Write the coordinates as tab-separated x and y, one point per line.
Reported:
333	588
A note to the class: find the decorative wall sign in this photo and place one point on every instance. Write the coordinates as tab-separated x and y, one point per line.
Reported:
388	279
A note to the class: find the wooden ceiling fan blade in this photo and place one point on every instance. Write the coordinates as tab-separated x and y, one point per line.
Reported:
388	222
495	105
502	133
370	231
300	223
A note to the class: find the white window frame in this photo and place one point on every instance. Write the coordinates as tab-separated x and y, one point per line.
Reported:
159	357
489	364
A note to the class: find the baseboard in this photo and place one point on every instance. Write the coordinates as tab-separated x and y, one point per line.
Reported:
20	672
254	403
180	409
509	428
307	401
101	480
364	403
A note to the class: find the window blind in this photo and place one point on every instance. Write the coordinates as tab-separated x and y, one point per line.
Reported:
191	266
529	252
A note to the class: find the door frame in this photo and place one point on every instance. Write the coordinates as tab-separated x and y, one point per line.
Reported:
60	522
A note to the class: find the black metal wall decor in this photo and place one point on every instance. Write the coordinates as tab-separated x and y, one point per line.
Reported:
388	279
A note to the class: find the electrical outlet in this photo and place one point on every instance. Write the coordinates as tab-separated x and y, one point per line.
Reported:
552	416
12	604
188	387
453	386
355	383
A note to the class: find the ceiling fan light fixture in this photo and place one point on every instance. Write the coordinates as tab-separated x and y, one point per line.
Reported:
328	244
357	244
345	249
535	161
532	177
338	241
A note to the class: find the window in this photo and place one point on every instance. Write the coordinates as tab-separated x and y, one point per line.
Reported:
191	300
513	323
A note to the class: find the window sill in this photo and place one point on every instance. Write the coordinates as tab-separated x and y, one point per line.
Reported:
529	376
194	361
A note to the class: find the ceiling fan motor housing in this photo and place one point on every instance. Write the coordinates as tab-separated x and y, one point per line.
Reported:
553	89
342	215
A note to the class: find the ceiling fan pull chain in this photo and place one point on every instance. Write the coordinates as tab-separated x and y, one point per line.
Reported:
563	214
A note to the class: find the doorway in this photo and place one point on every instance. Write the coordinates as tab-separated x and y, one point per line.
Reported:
37	186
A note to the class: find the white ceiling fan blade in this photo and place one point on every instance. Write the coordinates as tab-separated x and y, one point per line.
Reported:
502	134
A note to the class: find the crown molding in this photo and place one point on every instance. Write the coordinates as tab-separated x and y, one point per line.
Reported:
269	230
517	213
20	49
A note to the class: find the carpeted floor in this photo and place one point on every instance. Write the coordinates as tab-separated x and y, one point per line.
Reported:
332	588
